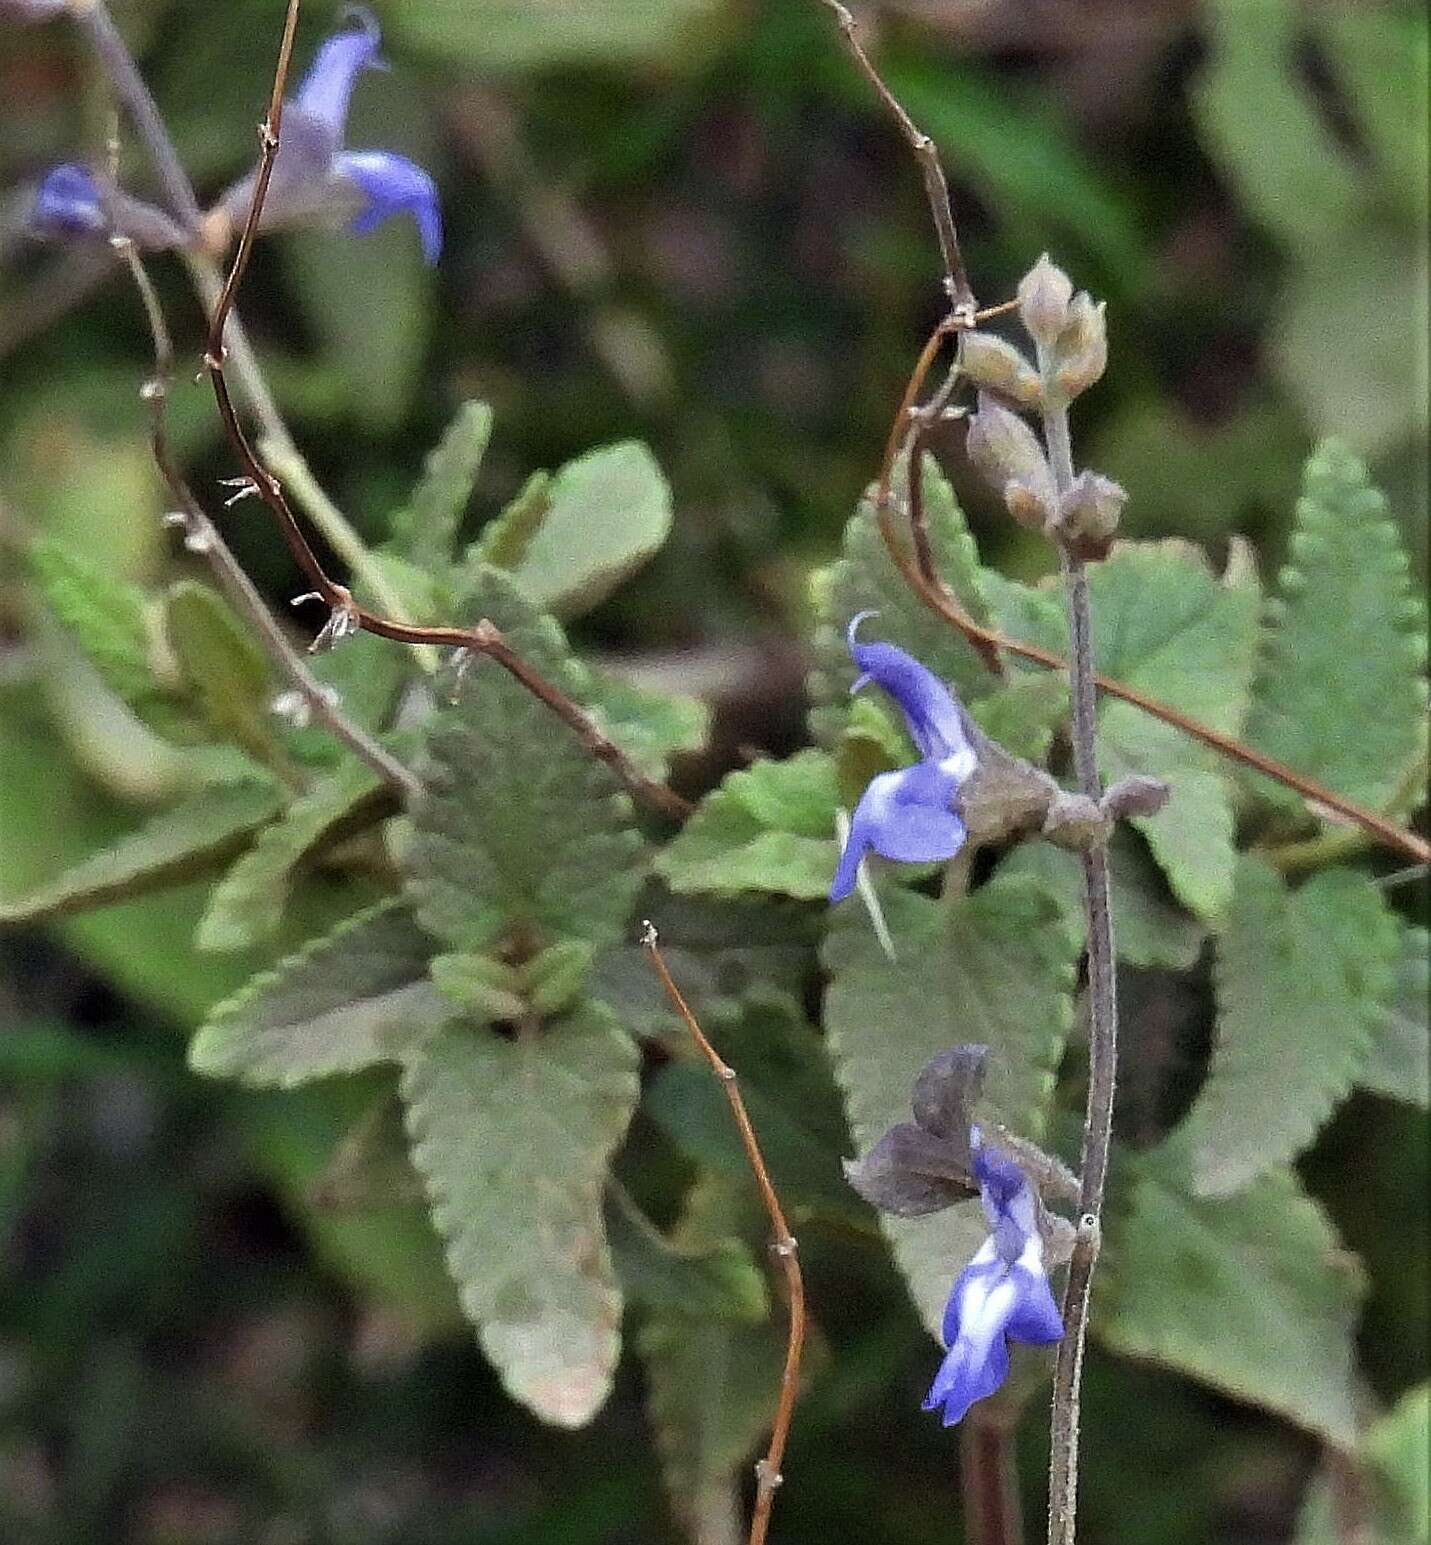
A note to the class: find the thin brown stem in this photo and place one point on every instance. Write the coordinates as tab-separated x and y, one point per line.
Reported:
768	1477
989	1482
936	187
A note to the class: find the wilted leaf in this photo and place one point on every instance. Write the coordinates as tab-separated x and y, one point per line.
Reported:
1248	1293
595	523
513	1138
355	997
1299	976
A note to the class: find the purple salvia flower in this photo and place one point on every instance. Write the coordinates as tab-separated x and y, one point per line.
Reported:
68	203
393	185
1002	1294
906	815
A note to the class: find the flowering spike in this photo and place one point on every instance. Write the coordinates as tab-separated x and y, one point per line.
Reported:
393	185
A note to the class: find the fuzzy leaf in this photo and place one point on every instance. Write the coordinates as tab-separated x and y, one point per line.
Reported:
791	1099
650	726
192	838
1342	694
770	827
425	530
223	667
1249	1293
599	519
247	905
994	968
513	1138
517	827
1399	1065
865	579
353	998
1024	714
1299	976
1150	929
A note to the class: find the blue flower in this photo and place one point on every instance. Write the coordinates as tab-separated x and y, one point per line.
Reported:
314	176
1002	1293
906	815
69	203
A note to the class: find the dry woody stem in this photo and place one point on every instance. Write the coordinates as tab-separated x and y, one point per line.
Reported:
767	1471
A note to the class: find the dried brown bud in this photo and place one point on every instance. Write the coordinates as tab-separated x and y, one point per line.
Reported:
991	363
1091	507
1009	455
1137	795
1044	293
1080	354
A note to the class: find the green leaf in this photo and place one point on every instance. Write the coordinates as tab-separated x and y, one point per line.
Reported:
1298	976
516	35
223	668
1393	1455
595	523
1149	927
865	579
994	968
712	1384
1399	1064
513	1138
193	838
1342	694
518	829
1249	1293
358	996
650	726
1024	715
108	618
426	529
367	674
789	1095
247	905
717	1280
770	827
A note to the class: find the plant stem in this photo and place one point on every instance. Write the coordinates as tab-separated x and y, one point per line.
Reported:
988	1482
1102	1007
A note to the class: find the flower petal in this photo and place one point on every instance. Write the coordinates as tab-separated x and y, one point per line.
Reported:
935	723
393	185
1035	1317
327	88
968	1373
68	203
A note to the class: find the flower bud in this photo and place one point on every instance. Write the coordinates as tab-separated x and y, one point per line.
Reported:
1089	510
1081	352
1044	293
1009	455
991	363
72	204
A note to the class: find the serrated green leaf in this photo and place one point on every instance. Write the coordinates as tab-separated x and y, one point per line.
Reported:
1399	1064
483	988
712	1385
518	829
770	827
865	579
367	674
994	968
1298	977
1342	694
107	618
788	1092
1248	1293
715	1280
594	524
247	905
1149	927
192	838
1025	713
224	669
358	996
513	1138
426	528
650	726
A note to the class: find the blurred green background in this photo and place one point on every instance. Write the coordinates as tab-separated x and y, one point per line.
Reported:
684	221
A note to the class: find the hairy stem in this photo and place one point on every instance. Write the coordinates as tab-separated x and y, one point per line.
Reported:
1102	1005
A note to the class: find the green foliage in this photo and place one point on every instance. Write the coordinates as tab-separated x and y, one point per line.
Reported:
994	968
1391	1490
518	831
190	839
1024	715
426	528
1399	1063
770	827
571	540
1248	1293
358	996
512	1139
650	726
1348	645
1299	979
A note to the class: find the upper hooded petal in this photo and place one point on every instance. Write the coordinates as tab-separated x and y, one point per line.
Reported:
935	723
327	88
